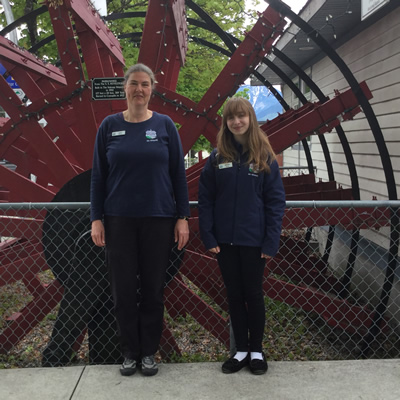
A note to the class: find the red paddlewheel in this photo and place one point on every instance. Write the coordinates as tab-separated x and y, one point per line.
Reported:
58	152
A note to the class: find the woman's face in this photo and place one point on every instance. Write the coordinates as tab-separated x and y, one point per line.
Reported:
238	123
138	89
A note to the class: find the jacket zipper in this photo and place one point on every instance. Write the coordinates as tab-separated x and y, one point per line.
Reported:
236	194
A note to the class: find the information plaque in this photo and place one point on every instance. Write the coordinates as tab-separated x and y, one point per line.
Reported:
108	88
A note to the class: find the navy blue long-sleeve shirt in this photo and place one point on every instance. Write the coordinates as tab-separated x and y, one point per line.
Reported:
138	169
240	206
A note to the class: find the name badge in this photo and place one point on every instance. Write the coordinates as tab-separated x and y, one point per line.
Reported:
226	165
118	133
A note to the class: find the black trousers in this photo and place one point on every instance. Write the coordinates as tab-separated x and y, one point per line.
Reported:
138	251
242	269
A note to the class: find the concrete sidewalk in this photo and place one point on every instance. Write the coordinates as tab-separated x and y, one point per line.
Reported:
286	380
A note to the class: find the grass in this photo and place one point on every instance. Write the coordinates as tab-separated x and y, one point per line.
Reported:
12	298
290	335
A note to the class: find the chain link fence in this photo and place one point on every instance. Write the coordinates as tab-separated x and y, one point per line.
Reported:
332	291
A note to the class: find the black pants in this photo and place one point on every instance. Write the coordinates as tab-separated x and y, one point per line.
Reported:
242	269
138	250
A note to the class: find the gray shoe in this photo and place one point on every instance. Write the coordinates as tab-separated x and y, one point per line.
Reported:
128	367
149	366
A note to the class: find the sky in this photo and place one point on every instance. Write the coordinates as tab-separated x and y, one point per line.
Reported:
295	5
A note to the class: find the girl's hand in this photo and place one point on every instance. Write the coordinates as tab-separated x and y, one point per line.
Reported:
215	250
266	256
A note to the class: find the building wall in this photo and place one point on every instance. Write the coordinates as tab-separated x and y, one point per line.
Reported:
373	56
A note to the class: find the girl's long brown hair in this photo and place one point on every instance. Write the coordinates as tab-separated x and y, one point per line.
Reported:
259	148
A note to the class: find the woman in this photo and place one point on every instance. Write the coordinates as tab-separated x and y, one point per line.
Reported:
241	205
139	189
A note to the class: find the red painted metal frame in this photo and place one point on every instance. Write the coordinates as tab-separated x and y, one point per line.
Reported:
55	153
13	56
293	126
23	322
250	52
180	300
321	119
317	288
63	149
179	24
164	41
37	136
348	218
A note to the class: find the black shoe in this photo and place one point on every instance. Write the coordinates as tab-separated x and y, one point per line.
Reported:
149	366
259	367
128	367
232	365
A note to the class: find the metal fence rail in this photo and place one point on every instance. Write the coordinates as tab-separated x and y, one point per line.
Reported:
332	291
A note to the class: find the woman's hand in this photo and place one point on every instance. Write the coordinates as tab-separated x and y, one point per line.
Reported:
181	233
98	235
215	250
266	256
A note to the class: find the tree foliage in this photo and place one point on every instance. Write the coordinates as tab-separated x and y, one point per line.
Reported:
203	64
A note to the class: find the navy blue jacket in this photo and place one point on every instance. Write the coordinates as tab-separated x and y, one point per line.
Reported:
138	169
240	206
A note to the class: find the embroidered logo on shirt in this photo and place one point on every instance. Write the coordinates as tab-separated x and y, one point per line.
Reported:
150	134
253	170
118	133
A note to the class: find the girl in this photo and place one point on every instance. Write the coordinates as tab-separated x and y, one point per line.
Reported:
241	205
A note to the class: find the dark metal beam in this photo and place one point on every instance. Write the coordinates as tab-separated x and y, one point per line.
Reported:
212	25
321	97
282	8
23	20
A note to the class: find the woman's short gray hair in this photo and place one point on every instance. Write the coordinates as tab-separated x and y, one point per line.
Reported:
140	68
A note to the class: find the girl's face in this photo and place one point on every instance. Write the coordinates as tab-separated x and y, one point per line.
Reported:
138	89
238	124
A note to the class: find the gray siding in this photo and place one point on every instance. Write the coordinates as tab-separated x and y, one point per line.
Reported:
373	56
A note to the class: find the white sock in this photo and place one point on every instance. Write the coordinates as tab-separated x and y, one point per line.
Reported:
240	355
256	356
